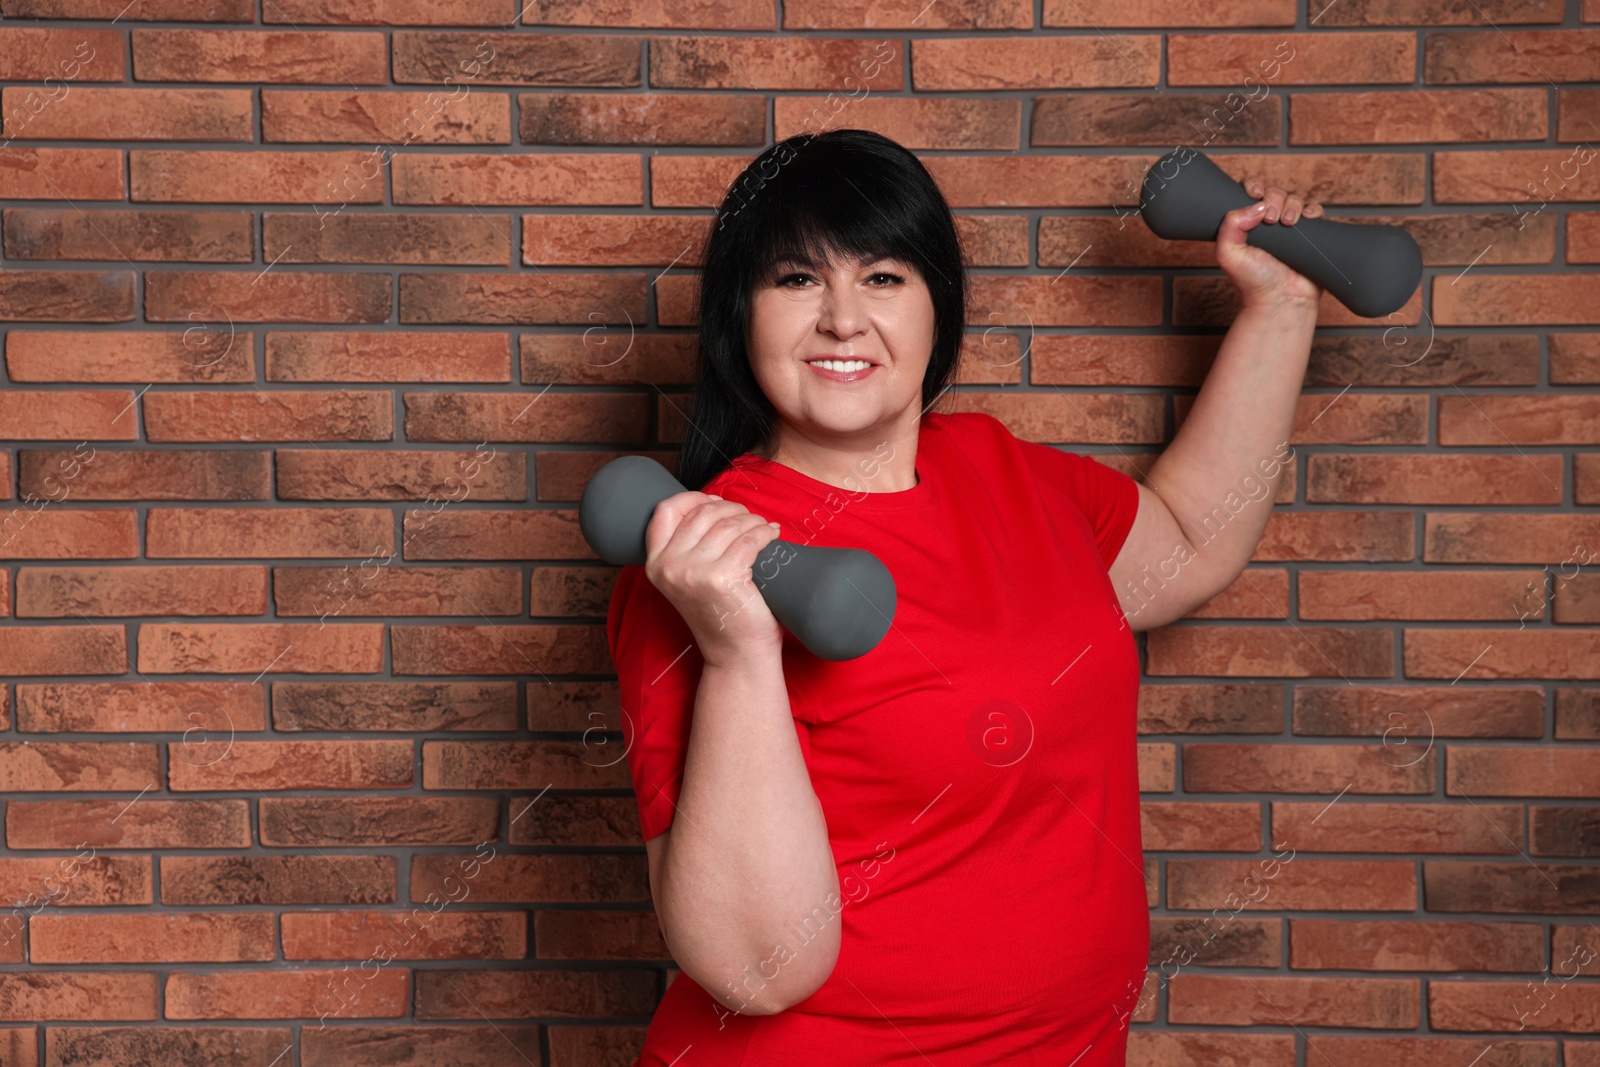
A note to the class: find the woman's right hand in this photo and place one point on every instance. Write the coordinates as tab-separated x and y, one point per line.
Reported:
699	550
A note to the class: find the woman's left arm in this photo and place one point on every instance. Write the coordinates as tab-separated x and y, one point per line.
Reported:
1204	503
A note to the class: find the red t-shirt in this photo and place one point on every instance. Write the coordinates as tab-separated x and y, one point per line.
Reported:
977	769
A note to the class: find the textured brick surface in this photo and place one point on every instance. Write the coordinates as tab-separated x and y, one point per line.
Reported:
296	622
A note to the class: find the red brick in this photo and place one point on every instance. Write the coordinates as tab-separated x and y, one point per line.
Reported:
74	233
1200	709
136	475
309	879
304	822
1279	59
424	1046
562	476
1498	300
1415	714
1292	883
327	179
197	648
40	996
1464	537
1154	14
296	416
1267	1000
1028	63
81	879
271	296
413	590
1515	887
903	15
1138	118
599	935
513	765
563	179
1433	479
1413	116
1269	650
1509	1005
1497	55
1405	828
41	766
521	298
1216	767
69	414
1522	771
558	118
108	1046
64	650
724	15
143	824
187	938
282	994
1442	594
264	765
474	59
29	54
1434	1051
1390	945
391	12
1583	246
66	296
1500	653
389	356
1365	536
77	592
512	878
1207	827
156	10
522	994
88	114
1502	419
496	535
306	237
420	934
482	474
394	706
623	240
55	533
303	56
1525	179
596	357
197	709
388	118
1149	1046
200	353
62	174
281	531
1577	113
700	61
558	649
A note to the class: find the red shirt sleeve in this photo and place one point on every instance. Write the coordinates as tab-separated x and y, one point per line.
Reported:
658	675
1107	498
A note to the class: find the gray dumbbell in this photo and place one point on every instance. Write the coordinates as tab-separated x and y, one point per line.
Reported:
1372	269
838	602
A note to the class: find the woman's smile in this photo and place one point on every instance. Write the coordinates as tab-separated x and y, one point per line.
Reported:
842	370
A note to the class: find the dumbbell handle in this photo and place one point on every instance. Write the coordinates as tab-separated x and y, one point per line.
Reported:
1372	269
838	602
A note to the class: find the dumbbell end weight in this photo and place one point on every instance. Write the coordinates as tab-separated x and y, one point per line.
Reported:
1372	269
838	602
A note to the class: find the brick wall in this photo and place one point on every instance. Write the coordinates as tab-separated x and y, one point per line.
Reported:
319	313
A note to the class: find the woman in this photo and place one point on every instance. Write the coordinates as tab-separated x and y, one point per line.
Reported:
930	852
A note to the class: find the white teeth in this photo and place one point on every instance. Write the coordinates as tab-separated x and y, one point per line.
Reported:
844	365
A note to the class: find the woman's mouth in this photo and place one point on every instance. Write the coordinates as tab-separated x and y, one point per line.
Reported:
842	370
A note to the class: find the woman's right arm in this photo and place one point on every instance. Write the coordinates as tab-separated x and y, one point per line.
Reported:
746	869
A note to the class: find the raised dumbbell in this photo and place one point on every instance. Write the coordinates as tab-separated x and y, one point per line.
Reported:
1372	269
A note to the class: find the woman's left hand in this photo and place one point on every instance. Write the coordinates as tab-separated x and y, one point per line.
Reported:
1262	278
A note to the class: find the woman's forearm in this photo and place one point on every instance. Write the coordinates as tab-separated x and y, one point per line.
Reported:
750	896
1221	471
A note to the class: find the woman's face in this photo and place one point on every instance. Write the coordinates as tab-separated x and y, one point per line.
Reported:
879	311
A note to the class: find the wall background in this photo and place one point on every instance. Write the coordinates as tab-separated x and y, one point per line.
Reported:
319	313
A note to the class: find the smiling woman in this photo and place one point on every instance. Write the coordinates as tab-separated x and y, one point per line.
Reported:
986	746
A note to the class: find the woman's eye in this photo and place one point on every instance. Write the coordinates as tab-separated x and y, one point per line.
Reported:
895	278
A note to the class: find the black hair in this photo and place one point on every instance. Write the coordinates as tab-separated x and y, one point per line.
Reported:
845	194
